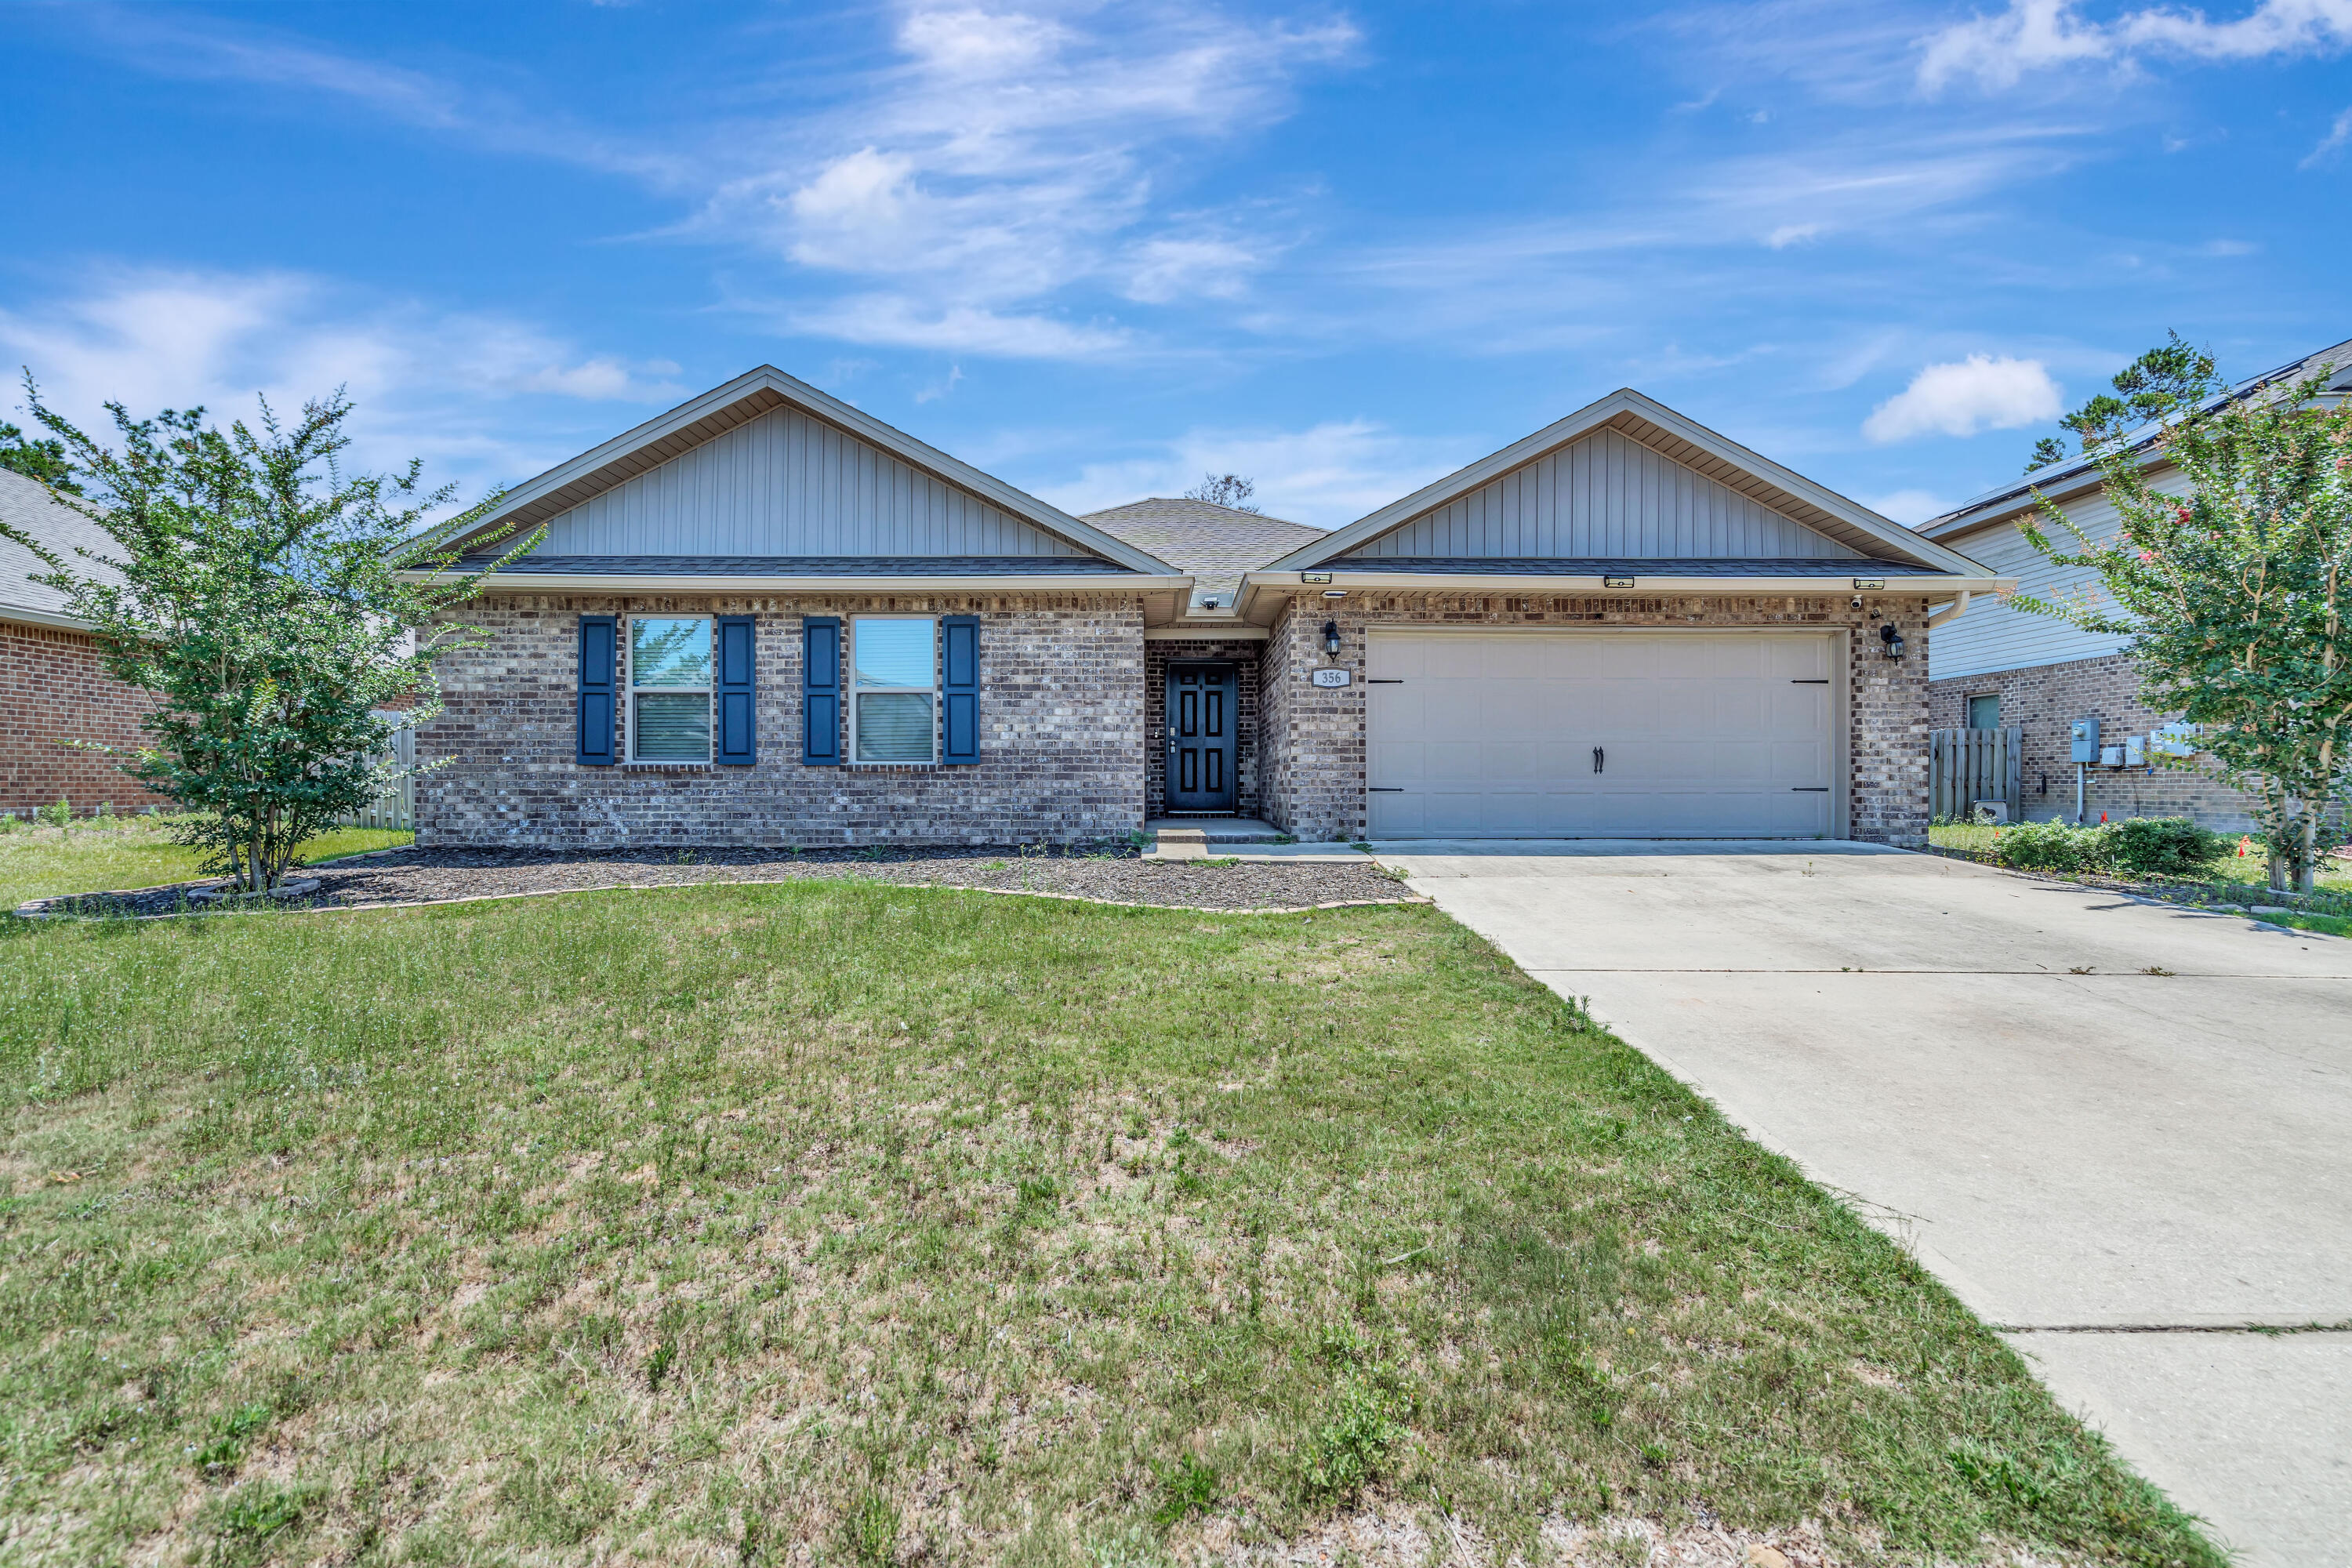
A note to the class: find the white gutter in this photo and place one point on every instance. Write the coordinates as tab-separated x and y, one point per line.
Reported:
42	619
593	582
1940	586
1951	612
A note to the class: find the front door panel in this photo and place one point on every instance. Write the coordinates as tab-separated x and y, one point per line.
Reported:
1204	722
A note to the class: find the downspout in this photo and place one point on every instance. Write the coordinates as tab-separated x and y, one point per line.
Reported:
1951	612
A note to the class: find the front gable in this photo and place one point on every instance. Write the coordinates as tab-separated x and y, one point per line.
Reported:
786	485
767	476
1627	480
1604	495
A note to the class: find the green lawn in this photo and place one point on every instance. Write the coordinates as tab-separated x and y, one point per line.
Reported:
95	854
834	1222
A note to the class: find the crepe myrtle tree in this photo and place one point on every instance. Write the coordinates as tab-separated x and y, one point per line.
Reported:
257	590
2235	592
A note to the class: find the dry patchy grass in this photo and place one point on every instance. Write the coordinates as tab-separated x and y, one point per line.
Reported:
834	1223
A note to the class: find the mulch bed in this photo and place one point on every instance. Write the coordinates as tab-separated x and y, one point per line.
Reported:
1117	875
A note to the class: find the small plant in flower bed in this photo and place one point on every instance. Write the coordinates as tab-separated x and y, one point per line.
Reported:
2139	846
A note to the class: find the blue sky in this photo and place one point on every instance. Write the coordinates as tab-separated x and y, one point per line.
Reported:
1101	249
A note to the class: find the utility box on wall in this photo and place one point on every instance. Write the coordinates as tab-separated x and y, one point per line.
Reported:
2086	741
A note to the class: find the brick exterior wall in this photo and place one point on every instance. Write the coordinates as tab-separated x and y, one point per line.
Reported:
52	687
1312	763
2045	699
1244	657
1061	736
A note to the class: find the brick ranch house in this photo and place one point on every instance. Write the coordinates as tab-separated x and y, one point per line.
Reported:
766	617
52	687
2003	668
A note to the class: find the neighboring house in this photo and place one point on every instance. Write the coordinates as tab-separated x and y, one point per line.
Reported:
766	617
52	686
1999	666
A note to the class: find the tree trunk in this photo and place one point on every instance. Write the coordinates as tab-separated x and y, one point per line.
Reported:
2307	874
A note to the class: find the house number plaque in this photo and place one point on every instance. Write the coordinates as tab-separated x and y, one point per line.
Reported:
1331	676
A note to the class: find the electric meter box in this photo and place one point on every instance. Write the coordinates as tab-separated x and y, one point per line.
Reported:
2086	741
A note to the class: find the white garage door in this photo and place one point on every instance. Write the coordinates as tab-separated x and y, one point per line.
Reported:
1526	734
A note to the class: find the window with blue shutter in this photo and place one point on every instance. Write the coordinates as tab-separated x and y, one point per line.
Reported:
960	688
821	691
738	743
599	659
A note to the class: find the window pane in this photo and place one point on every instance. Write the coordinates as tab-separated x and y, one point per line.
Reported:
893	651
674	727
669	652
894	727
1984	712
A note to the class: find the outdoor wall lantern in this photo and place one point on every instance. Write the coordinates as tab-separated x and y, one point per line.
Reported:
1331	638
1892	638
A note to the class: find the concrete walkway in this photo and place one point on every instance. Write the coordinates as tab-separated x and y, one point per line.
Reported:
2122	1133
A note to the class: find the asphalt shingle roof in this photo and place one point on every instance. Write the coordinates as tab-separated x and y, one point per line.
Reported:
26	505
806	565
1637	567
1213	544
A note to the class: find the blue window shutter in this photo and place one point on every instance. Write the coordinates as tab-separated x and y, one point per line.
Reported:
599	661
821	691
737	741
960	687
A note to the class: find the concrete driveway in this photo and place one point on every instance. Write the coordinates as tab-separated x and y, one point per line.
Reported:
2122	1133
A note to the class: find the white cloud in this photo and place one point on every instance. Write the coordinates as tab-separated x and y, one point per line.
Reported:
1910	508
896	321
1011	155
2040	34
1327	476
424	381
1790	234
1980	392
2331	143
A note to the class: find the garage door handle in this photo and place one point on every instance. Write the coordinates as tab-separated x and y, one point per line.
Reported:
1386	789
1809	789
1597	755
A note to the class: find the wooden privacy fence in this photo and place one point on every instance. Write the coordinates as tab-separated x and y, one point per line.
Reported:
395	808
1966	766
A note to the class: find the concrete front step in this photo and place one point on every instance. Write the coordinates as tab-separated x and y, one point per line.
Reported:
1212	830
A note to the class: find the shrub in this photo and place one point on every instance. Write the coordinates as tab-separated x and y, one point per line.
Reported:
2165	846
2142	845
2050	846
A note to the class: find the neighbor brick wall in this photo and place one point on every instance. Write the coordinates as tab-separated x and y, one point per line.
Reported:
1061	736
2045	699
1244	657
52	688
1312	738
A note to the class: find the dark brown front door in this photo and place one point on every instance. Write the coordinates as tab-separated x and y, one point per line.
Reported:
1202	722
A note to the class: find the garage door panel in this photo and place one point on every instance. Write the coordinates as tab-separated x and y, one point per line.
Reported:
1704	735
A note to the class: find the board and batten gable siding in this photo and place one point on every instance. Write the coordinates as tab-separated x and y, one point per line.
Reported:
1994	636
785	484
1604	495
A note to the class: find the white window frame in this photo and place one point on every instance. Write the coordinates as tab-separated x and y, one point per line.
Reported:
857	695
629	691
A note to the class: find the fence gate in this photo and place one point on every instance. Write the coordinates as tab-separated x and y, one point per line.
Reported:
395	808
1966	766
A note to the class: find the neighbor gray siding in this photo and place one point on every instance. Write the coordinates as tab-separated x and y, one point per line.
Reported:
1992	635
1604	496
785	484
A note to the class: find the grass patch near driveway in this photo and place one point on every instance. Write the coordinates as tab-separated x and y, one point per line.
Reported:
102	854
835	1223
